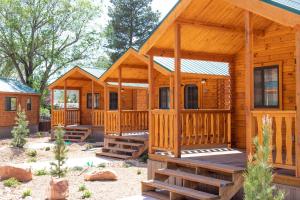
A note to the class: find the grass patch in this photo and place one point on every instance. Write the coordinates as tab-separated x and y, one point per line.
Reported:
41	172
126	165
82	188
86	194
30	160
26	193
11	182
77	168
31	153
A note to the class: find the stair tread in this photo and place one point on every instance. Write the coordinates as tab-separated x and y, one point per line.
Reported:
140	139
119	149
207	165
156	195
126	143
113	155
181	190
194	177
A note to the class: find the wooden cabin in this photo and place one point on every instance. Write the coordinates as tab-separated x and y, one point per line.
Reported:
14	94
261	42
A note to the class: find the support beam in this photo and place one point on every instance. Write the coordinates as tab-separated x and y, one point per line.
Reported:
93	102
131	80
106	102
249	78
119	97
65	102
171	95
145	67
217	27
151	101
216	57
177	84
297	101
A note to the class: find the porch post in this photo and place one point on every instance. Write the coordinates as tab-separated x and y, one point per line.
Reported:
248	78
297	136
119	98
93	102
105	106
151	102
177	84
171	92
65	103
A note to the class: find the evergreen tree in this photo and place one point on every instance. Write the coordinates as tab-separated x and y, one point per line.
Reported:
20	131
60	154
258	178
130	24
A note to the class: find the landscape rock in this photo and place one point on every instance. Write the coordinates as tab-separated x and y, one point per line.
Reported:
21	174
59	189
101	175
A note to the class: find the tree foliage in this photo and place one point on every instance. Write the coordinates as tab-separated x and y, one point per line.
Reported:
20	131
60	154
40	37
258	178
130	24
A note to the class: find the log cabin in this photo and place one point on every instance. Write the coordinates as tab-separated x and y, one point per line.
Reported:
14	94
205	84
260	40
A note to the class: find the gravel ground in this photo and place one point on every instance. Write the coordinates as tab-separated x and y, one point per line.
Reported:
128	184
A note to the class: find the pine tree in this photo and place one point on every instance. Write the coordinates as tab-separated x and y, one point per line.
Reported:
60	154
258	178
20	131
130	24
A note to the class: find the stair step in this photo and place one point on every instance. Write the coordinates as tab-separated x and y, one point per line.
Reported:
114	155
126	143
194	177
188	192
133	138
207	165
156	195
119	149
76	132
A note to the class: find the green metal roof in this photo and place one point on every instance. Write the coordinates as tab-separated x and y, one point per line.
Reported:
15	86
289	5
195	66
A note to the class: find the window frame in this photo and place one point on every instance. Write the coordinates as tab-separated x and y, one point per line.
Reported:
110	101
30	99
95	97
185	102
10	97
279	74
168	98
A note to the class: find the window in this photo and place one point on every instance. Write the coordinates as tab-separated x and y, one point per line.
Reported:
191	97
72	99
164	98
28	104
96	100
266	87
10	103
113	100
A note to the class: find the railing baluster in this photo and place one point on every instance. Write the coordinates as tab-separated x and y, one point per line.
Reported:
278	123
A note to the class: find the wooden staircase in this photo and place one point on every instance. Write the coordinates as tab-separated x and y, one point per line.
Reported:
123	147
77	133
190	179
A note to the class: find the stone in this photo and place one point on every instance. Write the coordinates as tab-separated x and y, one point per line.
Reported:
59	189
21	174
101	175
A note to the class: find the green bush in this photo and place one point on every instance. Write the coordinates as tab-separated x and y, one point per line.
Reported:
31	153
77	168
86	194
26	193
31	160
82	188
139	172
20	130
41	172
44	112
126	165
47	149
39	134
258	178
144	158
11	182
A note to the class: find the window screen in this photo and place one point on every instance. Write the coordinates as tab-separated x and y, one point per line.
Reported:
164	98
191	97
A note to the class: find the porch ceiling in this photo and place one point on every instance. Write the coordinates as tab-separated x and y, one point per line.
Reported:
210	29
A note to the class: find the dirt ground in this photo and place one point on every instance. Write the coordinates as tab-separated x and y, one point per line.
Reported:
130	174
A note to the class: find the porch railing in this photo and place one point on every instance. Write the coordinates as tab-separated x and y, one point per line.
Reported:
200	128
132	120
282	138
112	122
98	117
58	117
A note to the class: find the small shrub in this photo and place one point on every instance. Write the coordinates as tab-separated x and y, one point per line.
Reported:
90	164
126	165
26	193
11	182
82	188
139	172
144	158
86	194
77	168
31	153
39	134
89	146
41	172
31	160
20	130
47	149
102	165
